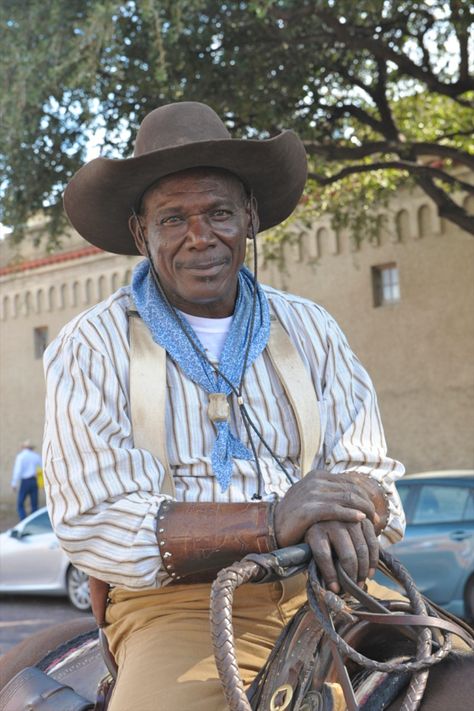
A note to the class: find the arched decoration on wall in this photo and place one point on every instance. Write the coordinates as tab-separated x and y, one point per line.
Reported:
114	282
425	221
308	246
6	308
101	288
88	287
402	225
468	204
385	232
28	303
326	241
52	298
16	305
40	301
63	296
76	294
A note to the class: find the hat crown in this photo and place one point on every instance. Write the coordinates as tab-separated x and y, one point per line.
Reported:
177	124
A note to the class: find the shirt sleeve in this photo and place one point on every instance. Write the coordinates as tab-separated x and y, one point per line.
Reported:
103	493
354	438
16	475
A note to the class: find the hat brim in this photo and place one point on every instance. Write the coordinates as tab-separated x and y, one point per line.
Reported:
100	196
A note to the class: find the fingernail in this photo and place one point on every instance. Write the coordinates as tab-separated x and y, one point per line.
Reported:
361	583
376	518
361	515
371	572
334	587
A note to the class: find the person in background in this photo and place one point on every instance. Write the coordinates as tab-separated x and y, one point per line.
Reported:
27	463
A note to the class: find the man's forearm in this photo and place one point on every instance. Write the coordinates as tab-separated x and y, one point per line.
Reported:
196	540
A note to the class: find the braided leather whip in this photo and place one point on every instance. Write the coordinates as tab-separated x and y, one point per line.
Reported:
253	568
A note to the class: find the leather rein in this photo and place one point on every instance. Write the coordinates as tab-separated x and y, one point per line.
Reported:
417	619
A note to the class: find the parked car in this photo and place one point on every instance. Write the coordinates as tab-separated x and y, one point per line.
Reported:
438	547
32	562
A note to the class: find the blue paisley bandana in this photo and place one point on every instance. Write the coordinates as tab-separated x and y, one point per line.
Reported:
165	331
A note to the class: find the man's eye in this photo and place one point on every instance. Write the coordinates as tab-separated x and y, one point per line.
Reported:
172	219
221	212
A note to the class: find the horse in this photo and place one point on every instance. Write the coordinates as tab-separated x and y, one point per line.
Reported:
72	654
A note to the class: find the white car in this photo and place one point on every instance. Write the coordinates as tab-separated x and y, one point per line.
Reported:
32	562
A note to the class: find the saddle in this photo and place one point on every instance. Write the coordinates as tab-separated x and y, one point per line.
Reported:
351	652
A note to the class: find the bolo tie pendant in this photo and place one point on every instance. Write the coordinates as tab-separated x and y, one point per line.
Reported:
218	408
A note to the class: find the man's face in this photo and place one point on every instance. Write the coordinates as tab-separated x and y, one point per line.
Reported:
196	223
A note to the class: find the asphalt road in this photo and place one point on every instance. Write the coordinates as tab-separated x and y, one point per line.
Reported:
23	615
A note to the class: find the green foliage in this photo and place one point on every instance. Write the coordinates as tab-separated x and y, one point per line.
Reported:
364	84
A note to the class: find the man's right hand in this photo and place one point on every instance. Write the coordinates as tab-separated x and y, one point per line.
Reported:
320	496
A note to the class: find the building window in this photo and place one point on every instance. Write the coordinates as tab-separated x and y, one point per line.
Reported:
40	340
386	284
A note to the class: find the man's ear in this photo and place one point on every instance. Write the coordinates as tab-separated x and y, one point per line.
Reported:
252	210
137	233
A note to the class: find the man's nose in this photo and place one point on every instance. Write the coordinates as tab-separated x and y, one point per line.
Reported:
199	233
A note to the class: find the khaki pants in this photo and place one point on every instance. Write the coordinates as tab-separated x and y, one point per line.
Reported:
162	642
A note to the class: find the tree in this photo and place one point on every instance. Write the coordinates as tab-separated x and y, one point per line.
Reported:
379	91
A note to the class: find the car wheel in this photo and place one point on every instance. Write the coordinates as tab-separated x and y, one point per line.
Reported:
469	599
77	584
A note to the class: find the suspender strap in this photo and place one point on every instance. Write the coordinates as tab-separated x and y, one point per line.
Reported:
299	390
148	394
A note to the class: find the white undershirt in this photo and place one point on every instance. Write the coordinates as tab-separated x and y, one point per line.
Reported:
212	333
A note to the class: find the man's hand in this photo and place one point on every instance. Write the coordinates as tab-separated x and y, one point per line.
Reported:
354	545
318	497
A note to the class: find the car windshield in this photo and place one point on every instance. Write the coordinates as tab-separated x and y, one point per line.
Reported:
38	524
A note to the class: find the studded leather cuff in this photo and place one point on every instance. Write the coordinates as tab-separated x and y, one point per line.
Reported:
196	540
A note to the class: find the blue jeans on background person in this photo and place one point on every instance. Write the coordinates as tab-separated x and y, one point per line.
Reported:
28	488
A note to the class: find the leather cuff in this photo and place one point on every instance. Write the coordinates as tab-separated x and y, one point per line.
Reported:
196	540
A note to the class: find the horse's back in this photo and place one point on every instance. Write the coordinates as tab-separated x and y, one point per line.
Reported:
35	648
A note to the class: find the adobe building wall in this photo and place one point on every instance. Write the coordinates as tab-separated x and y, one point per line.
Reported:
420	351
46	296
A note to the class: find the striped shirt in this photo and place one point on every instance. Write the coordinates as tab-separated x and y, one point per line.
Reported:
104	494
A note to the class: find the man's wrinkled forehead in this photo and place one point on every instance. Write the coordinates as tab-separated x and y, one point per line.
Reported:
209	178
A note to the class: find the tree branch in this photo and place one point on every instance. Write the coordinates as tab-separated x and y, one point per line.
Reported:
422	148
358	113
447	208
382	51
408	166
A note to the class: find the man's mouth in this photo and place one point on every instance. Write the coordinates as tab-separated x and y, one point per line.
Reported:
208	267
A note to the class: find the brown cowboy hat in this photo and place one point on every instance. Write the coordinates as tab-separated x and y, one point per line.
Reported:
100	196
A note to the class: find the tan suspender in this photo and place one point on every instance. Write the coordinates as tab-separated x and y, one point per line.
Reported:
148	393
299	390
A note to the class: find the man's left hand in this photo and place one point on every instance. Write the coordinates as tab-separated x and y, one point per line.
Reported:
354	545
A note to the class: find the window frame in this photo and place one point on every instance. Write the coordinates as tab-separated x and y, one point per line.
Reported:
385	293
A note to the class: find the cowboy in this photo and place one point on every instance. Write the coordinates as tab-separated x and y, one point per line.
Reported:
196	416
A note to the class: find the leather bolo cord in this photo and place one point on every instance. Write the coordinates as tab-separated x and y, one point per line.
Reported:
237	390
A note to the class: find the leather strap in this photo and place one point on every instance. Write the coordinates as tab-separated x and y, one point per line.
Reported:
33	690
415	621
